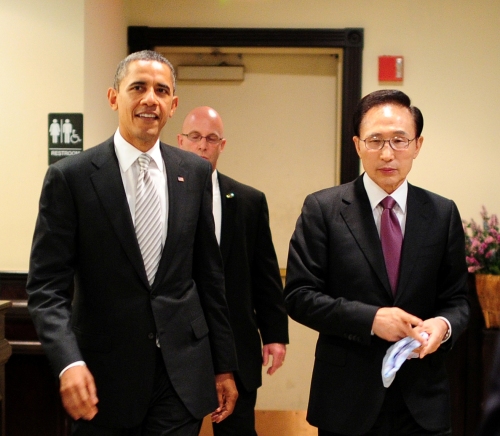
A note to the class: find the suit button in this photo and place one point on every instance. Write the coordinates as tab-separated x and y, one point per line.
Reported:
151	336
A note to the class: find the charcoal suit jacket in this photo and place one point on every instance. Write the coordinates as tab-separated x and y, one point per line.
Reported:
337	280
254	290
85	235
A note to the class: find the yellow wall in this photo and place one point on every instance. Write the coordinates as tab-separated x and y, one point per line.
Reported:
41	72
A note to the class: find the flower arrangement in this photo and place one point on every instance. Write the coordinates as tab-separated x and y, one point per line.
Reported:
482	243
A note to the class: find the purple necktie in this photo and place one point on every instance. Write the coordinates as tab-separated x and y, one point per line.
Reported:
392	240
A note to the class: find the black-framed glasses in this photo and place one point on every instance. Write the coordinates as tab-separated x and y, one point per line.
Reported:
396	143
197	137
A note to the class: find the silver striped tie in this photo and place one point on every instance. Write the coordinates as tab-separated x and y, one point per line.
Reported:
148	224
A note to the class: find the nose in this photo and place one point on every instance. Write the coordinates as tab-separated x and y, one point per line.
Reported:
202	144
150	97
387	153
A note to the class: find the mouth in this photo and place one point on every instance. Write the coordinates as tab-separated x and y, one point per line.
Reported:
147	116
387	170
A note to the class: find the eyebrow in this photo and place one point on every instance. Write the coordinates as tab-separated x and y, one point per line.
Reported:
142	82
163	86
397	132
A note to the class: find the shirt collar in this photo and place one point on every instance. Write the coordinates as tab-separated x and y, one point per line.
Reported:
376	194
127	154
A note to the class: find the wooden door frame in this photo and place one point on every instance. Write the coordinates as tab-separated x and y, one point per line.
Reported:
350	40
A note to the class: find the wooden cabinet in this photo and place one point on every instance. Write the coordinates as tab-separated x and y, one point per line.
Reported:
5	353
32	403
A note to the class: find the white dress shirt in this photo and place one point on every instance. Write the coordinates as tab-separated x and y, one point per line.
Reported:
216	204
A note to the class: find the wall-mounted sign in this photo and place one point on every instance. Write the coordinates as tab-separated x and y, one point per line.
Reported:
65	135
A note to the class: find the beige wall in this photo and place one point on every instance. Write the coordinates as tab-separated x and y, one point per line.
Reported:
59	56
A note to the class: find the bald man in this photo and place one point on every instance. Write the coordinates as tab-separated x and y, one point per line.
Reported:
254	289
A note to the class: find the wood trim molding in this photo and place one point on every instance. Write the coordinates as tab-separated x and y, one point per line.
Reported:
350	40
19	329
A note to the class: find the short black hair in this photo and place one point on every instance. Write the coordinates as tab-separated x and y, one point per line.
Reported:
386	96
144	55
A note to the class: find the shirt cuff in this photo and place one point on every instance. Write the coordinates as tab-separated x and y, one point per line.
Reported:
447	335
71	365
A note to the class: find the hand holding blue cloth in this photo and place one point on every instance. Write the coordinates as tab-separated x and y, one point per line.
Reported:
396	355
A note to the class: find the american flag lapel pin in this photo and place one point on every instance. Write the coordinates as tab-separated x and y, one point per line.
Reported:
180	178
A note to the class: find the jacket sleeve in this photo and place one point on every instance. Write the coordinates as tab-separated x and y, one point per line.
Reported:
51	271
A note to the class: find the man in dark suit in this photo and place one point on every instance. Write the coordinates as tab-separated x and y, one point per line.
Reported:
254	290
339	284
136	352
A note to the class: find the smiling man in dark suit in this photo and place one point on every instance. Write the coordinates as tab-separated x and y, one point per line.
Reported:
254	291
139	343
339	284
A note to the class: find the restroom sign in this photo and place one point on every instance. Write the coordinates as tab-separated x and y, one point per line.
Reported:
65	135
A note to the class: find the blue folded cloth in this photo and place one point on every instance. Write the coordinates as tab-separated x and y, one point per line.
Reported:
395	356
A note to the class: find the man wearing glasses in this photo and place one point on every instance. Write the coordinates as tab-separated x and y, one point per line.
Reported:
377	267
254	292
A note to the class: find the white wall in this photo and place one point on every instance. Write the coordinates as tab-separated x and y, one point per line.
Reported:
105	47
57	56
42	72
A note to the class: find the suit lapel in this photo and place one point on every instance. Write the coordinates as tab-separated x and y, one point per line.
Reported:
418	223
177	185
107	182
229	204
358	216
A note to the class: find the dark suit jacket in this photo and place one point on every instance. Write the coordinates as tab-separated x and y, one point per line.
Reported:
337	280
84	233
490	425
254	290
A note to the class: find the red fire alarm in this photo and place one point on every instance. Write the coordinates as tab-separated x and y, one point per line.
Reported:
390	68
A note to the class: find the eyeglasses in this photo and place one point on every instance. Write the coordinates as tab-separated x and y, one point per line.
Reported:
396	143
196	137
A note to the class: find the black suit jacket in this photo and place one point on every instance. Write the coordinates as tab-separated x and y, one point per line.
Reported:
254	290
337	280
85	234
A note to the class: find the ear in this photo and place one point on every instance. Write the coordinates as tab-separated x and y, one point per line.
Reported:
357	144
418	146
222	144
173	107
179	139
112	98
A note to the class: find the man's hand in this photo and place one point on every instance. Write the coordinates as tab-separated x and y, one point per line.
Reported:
436	328
393	324
227	395
78	393
278	351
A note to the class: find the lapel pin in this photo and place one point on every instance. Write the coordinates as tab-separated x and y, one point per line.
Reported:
180	179
230	195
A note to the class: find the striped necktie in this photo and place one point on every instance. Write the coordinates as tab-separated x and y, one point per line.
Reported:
148	223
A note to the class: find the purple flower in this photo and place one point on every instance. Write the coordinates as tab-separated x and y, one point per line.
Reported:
482	244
